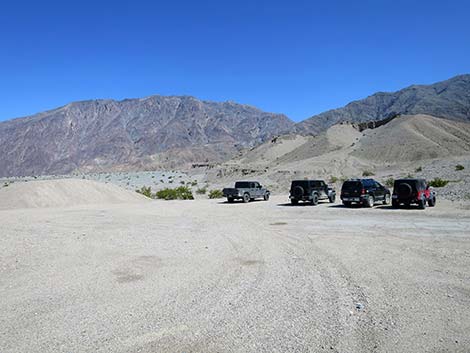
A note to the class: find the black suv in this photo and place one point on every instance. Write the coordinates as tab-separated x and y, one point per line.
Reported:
311	191
413	191
365	192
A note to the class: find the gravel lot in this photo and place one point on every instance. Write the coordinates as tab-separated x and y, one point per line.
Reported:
207	276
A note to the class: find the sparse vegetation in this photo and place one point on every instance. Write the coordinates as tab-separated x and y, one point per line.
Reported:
146	191
182	182
367	173
216	194
389	182
438	182
459	167
201	191
333	179
179	193
419	169
194	183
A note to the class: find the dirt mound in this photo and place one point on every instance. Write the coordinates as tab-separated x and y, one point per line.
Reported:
63	193
415	138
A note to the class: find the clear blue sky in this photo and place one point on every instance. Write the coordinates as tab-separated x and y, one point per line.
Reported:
294	57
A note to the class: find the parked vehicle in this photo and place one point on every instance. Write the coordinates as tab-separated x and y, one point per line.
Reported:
366	192
311	191
413	191
246	191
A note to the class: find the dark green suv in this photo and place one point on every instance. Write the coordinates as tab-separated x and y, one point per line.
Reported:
365	192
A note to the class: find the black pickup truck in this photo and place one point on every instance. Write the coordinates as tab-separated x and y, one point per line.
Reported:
246	191
311	191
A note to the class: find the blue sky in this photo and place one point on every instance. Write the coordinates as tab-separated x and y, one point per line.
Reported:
294	57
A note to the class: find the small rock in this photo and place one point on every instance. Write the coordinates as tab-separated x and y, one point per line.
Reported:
359	306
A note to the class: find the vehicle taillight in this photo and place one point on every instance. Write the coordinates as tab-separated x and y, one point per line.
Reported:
419	194
363	191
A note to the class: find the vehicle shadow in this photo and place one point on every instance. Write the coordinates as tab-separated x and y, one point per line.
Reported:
300	204
235	202
339	205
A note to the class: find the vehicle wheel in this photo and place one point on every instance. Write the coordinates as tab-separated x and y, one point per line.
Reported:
230	199
395	204
432	201
246	198
314	200
266	197
332	199
294	201
422	204
387	199
347	203
369	201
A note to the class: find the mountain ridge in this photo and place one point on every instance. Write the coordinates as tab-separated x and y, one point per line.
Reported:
444	99
174	131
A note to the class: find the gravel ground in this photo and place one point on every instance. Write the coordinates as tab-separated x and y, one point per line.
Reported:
207	276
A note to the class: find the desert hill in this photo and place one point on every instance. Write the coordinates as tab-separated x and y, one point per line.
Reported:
415	138
345	150
64	193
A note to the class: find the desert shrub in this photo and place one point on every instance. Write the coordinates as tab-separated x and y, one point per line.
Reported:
145	190
201	191
182	182
459	167
216	194
367	173
333	179
389	182
179	193
170	181
194	183
419	169
438	182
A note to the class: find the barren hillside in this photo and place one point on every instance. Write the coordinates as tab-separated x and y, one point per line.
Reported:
343	151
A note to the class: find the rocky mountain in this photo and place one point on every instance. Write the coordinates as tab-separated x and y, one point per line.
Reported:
134	133
174	132
447	99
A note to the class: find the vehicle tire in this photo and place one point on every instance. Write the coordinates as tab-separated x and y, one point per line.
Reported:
387	199
404	190
246	198
230	199
422	204
298	192
266	196
347	203
369	201
432	201
294	201
332	199
314	200
395	204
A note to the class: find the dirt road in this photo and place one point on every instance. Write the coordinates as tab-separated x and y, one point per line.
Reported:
207	276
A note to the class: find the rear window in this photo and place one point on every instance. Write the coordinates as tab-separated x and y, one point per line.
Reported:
242	185
348	185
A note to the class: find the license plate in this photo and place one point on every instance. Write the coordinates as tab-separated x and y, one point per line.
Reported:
350	199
